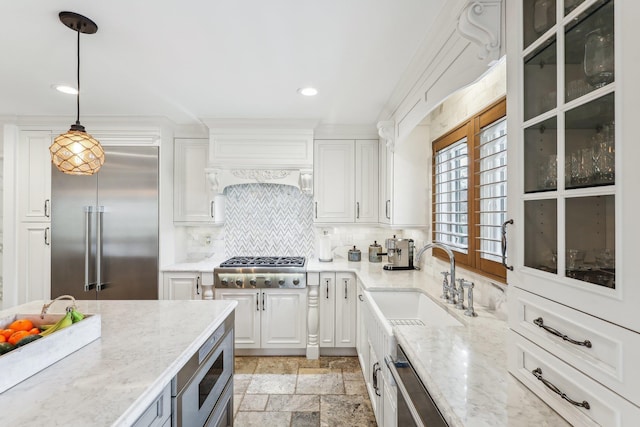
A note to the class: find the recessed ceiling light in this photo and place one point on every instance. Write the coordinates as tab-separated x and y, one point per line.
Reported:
308	91
66	89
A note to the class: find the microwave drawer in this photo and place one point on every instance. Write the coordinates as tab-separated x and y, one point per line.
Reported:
585	402
607	353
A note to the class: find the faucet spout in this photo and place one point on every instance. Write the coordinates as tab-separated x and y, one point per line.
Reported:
448	251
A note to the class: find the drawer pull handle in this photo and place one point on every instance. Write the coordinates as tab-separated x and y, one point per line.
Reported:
538	374
555	332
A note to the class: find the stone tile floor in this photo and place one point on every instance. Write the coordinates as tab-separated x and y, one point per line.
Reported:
298	392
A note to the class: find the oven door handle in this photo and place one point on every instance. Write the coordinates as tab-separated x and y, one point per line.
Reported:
391	364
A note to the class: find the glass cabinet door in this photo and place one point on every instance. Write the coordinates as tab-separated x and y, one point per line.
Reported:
569	141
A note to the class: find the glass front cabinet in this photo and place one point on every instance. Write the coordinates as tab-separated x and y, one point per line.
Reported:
573	247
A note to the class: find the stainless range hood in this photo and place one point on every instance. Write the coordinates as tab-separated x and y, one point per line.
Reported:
264	151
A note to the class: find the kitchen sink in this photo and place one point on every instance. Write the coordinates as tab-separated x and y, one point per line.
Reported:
410	307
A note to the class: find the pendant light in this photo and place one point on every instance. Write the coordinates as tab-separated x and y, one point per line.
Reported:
76	152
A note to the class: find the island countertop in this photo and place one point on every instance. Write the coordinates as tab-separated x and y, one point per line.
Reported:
112	380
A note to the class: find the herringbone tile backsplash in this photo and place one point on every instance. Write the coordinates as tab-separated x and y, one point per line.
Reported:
268	219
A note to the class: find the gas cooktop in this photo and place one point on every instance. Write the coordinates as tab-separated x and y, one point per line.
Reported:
264	261
261	272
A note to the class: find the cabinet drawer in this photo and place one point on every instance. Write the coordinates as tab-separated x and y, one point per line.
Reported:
605	407
158	412
612	352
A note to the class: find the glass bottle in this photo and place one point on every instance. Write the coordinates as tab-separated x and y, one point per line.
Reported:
598	57
543	15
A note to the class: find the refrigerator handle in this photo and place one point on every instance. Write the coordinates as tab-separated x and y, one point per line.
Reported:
87	245
99	283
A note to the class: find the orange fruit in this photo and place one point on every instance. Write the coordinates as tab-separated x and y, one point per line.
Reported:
34	331
21	325
17	336
2	338
7	332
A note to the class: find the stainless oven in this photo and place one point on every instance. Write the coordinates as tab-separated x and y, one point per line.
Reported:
415	405
202	392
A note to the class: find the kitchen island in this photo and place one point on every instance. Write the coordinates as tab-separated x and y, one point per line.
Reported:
112	381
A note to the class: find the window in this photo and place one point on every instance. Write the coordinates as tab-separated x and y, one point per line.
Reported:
470	191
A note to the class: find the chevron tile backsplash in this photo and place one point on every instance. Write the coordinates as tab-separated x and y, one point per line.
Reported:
268	219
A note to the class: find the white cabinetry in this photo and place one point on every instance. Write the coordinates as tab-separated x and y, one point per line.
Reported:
34	171
193	201
337	302
34	262
346	181
269	318
34	211
573	243
158	414
182	285
404	195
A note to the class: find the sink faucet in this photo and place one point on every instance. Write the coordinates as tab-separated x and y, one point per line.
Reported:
446	287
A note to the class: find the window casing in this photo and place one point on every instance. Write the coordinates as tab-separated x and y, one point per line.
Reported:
470	191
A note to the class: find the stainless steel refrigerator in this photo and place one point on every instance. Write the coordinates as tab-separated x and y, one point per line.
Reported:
104	228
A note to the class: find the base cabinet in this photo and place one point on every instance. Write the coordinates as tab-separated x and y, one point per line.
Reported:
337	301
34	262
182	285
158	414
269	318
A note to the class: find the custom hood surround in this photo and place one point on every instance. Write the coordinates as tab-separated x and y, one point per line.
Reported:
262	151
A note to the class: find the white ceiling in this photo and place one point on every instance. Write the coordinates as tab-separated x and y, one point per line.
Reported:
187	60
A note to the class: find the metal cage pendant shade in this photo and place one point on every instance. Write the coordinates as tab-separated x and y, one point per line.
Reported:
76	152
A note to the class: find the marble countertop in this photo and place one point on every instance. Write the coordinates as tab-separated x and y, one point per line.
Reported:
112	380
206	264
465	368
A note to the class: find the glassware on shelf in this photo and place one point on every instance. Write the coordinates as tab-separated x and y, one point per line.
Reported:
598	57
548	173
581	167
575	259
603	148
605	258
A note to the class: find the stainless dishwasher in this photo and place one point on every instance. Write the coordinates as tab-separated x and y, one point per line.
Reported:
415	405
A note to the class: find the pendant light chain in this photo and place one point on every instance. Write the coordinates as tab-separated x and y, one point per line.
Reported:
78	86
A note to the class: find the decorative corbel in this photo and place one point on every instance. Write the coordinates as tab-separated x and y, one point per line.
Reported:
480	22
306	181
212	176
386	131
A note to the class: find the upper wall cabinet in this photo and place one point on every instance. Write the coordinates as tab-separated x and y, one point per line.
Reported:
346	181
34	183
404	171
193	200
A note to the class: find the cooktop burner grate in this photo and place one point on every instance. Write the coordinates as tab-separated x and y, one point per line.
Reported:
264	261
